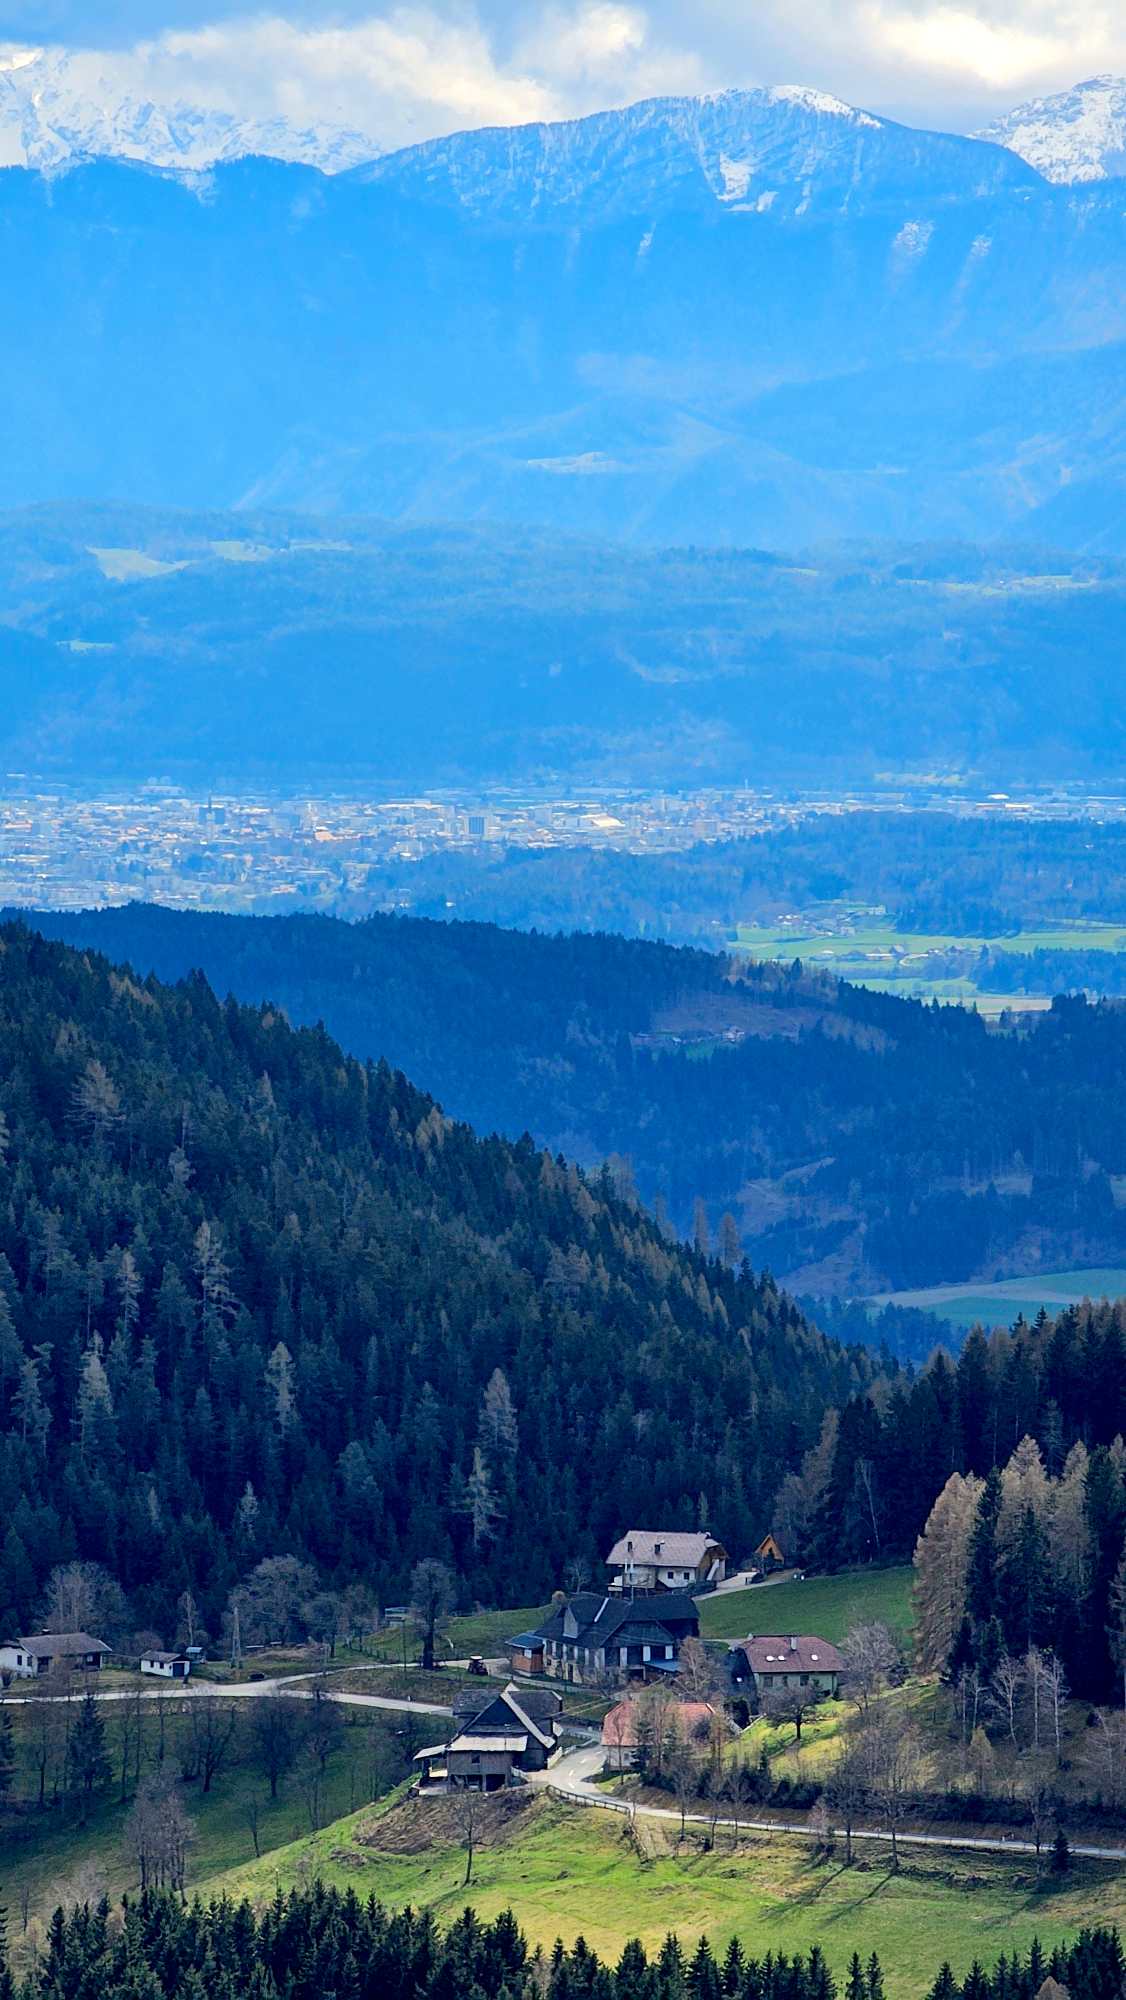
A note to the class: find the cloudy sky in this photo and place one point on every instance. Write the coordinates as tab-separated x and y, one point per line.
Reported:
401	72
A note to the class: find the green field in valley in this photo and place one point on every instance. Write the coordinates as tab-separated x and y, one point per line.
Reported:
1001	1303
574	1871
872	952
826	1605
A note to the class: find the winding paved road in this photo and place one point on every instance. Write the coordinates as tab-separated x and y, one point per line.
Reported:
572	1778
287	1684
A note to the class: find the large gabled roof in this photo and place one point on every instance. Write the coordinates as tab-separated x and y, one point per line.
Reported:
525	1712
801	1653
49	1645
674	1546
599	1616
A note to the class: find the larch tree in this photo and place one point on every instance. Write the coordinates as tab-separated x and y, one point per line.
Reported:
942	1558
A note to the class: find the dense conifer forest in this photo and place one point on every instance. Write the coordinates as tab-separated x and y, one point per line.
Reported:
319	1944
259	1301
1041	1408
862	1142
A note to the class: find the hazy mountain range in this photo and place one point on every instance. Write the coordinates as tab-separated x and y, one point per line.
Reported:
59	107
756	319
249	647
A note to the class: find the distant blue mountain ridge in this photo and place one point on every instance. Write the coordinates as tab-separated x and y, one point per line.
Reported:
761	318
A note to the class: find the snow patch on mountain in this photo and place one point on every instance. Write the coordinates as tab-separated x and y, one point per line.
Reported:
786	149
1078	135
821	102
54	112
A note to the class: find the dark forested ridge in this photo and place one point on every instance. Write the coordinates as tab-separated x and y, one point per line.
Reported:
935	872
861	1142
322	1944
258	1299
256	648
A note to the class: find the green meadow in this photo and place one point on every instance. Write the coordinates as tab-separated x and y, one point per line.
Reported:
1001	1303
826	1605
569	1871
876	954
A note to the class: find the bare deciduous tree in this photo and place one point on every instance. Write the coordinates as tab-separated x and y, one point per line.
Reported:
252	1813
872	1661
684	1773
846	1789
159	1834
891	1762
1005	1690
468	1805
697	1677
211	1731
275	1731
576	1574
83	1597
791	1702
432	1596
126	1715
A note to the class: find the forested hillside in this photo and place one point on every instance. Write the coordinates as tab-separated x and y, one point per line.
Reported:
255	647
1024	1435
321	1944
860	1142
258	1299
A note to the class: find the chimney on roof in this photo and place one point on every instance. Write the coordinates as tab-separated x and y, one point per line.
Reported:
793	1645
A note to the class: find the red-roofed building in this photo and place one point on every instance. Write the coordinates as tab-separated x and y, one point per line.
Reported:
688	1720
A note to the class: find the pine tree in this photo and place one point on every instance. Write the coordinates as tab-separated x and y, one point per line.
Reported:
981	1583
7	1753
87	1759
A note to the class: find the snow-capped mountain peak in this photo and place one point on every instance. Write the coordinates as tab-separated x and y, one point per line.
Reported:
822	103
55	110
1078	135
785	150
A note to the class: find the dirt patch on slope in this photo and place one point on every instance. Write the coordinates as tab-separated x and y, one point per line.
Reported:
418	1823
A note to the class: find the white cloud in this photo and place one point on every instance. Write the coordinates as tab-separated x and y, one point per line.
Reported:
1000	48
412	71
397	77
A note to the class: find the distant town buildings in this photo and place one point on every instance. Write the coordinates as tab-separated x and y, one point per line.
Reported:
257	853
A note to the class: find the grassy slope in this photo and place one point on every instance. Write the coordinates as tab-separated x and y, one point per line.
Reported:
51	1855
826	1605
574	1872
483	1632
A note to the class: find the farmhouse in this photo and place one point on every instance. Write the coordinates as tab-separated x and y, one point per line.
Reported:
623	1729
771	1662
594	1637
655	1559
494	1742
26	1658
166	1666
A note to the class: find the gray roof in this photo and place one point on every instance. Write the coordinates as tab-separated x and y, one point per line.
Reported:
657	1545
511	1706
600	1617
50	1645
